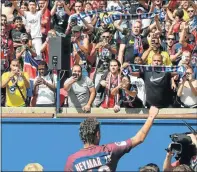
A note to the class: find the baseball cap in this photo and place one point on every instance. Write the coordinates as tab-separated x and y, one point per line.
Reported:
23	36
76	28
140	8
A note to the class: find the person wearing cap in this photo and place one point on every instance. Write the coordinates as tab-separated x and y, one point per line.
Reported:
22	51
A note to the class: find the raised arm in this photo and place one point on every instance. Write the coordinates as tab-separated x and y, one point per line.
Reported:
121	52
167	167
146	53
143	132
53	10
183	34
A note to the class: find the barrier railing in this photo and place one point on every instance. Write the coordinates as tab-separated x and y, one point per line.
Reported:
32	112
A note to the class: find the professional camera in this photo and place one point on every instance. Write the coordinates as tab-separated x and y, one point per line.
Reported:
182	147
75	75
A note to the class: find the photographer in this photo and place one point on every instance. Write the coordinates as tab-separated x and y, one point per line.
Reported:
105	51
187	90
80	48
128	94
22	51
184	146
81	91
16	83
44	87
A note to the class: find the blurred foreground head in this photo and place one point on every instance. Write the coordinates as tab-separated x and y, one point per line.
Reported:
33	167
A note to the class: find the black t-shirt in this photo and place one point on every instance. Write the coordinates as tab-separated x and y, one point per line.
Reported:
129	41
158	88
60	20
128	101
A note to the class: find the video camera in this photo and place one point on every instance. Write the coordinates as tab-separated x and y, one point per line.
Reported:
182	147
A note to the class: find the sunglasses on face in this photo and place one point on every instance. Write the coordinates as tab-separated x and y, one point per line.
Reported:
171	39
190	11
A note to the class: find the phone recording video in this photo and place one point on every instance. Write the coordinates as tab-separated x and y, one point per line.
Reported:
75	75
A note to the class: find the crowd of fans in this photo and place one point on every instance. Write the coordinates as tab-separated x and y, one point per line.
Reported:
103	46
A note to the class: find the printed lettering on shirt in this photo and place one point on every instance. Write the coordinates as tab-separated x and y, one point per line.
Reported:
98	161
123	143
33	21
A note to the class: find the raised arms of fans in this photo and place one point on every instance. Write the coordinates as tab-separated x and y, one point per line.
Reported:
143	132
53	10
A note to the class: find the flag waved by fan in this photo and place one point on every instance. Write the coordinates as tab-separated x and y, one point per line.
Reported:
30	66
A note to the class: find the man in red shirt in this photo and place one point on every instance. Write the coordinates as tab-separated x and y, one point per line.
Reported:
45	21
105	157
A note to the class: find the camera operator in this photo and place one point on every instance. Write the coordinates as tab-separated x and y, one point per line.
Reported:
25	48
81	91
185	150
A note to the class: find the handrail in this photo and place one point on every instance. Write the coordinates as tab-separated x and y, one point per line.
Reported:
128	116
103	116
33	112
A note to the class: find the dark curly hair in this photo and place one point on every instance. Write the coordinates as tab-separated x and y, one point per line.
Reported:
88	129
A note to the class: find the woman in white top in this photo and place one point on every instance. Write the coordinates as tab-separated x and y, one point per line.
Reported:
187	90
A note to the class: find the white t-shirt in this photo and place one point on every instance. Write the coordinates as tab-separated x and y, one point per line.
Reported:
139	82
45	94
79	94
33	22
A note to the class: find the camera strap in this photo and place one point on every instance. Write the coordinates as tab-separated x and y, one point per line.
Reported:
190	127
24	99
